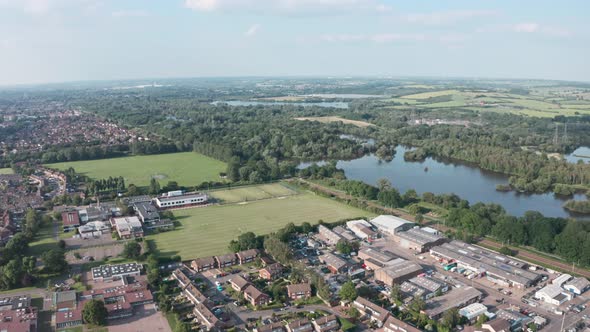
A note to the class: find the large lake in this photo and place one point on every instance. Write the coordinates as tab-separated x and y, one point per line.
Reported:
335	104
469	182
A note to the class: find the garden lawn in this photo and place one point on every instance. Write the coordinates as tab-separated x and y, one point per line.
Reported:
207	231
6	171
186	168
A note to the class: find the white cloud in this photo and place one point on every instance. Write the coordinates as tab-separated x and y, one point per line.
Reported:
446	17
29	6
525	27
42	7
290	7
252	30
531	28
202	5
376	38
130	13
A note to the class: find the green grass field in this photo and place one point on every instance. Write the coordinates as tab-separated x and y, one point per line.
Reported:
426	95
499	102
252	193
186	168
206	231
6	171
43	241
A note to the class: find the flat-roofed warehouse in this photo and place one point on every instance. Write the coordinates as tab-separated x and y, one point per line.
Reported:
457	298
398	273
391	225
498	268
419	240
374	258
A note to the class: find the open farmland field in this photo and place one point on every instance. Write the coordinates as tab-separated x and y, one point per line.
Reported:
186	168
252	193
6	171
327	119
207	231
499	102
426	95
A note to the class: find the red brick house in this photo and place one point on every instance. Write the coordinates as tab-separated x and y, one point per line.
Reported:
270	272
238	283
255	297
299	291
247	256
204	264
226	260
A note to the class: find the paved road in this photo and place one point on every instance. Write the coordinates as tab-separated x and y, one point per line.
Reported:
55	230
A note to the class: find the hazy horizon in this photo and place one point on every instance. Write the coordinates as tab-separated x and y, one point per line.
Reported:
59	41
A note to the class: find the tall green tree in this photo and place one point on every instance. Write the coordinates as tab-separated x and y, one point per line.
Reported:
95	313
348	291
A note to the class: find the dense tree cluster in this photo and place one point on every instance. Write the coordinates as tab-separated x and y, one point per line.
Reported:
16	268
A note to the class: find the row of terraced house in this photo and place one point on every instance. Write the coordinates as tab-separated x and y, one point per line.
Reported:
222	261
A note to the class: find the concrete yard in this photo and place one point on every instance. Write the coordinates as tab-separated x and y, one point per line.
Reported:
146	318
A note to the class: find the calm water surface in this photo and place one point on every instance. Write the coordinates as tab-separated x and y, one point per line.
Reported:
581	153
335	104
469	182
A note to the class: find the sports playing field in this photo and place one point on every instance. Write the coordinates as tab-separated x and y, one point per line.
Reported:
186	168
206	231
252	193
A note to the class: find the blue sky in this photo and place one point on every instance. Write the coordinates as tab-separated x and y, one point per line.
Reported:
66	40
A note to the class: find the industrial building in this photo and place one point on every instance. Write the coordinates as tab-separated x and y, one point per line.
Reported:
562	279
398	272
363	230
577	285
344	233
334	263
458	297
498	268
472	311
375	258
328	235
419	240
391	225
553	294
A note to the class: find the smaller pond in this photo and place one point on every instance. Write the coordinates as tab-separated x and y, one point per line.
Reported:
581	153
335	104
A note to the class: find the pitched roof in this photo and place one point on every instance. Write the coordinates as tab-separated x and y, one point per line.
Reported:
204	261
395	324
226	257
253	292
298	288
239	281
247	253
